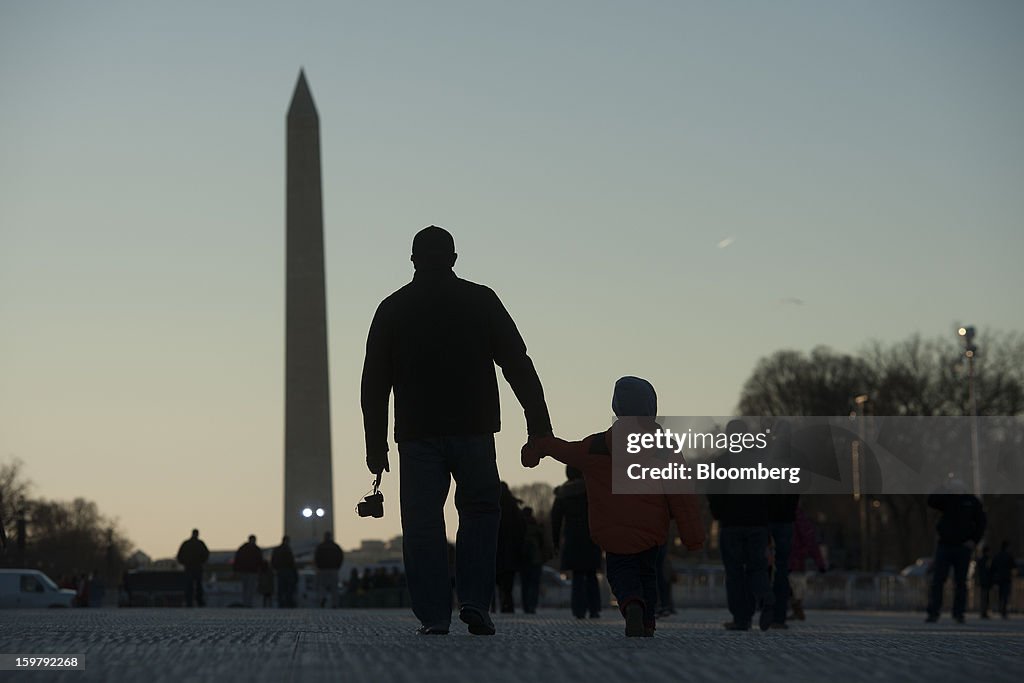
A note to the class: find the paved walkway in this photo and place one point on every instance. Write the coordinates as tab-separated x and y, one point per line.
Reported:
152	645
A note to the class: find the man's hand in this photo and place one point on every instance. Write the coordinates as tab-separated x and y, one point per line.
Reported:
377	462
530	455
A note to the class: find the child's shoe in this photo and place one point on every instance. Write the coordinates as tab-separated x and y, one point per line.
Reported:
634	614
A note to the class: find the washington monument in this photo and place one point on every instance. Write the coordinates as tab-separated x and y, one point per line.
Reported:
308	494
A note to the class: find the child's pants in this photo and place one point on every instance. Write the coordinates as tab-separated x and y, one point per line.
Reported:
633	578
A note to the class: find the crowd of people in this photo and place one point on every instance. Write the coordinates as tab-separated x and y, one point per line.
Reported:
258	575
434	343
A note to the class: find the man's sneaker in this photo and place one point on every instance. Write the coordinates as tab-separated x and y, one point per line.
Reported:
431	631
767	617
634	614
733	626
479	623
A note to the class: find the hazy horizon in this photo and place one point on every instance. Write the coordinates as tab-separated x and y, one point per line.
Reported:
671	191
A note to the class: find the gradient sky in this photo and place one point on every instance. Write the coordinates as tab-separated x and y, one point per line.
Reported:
864	158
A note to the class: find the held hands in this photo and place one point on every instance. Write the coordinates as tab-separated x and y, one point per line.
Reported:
377	462
531	454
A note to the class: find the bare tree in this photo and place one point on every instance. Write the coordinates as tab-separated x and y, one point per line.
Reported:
912	377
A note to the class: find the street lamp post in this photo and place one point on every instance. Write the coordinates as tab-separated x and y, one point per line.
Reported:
970	351
858	481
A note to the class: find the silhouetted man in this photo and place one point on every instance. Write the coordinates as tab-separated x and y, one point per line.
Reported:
960	527
193	554
743	539
282	561
328	558
434	343
248	559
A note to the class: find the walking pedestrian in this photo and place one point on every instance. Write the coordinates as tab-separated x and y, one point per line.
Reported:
246	565
193	554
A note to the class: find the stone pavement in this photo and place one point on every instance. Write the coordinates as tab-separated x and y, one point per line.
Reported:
155	645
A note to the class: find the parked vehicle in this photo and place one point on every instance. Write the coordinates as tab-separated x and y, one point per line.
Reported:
31	588
921	567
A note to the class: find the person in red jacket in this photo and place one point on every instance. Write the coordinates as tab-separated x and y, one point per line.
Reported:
805	546
628	527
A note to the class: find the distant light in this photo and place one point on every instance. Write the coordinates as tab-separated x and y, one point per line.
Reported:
306	512
970	353
962	331
319	512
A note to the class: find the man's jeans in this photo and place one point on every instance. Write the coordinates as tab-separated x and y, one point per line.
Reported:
194	586
746	571
957	557
633	578
782	534
586	594
427	467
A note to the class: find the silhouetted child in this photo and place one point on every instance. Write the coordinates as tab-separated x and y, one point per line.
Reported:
629	527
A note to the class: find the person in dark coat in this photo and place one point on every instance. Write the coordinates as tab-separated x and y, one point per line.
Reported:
246	565
570	529
282	561
434	343
534	556
960	527
328	559
509	557
781	515
193	554
1003	566
743	538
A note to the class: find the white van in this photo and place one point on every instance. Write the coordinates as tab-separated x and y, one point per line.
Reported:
31	588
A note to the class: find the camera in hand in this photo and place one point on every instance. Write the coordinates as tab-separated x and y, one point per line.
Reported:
372	505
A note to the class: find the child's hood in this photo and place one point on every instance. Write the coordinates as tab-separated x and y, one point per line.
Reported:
634	396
